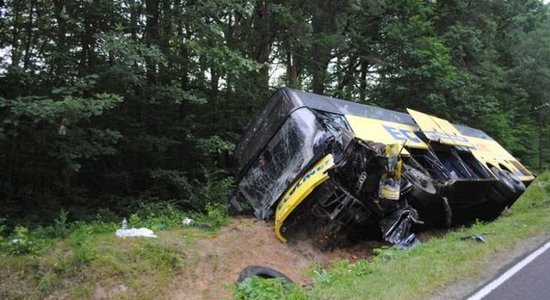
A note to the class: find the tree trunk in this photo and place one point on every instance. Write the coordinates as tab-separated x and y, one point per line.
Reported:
347	79
321	59
86	42
263	41
58	63
15	51
320	52
27	58
291	70
363	81
152	8
133	19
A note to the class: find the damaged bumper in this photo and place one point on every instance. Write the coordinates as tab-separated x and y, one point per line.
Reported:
341	194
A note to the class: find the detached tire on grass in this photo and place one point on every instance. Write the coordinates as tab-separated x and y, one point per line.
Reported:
262	272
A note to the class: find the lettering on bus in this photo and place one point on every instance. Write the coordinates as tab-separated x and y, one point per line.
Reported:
401	134
305	178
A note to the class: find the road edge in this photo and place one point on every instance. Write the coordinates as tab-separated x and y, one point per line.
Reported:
493	268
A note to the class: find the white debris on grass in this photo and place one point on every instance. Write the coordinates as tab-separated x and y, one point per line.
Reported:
188	222
135	232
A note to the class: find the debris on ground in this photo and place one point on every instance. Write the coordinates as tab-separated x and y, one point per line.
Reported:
135	232
476	237
187	222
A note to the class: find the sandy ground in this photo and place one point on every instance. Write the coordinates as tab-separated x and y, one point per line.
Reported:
244	242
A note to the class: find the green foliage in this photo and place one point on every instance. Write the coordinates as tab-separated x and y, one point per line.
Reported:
160	256
196	194
91	256
94	227
261	288
69	109
126	51
2	227
214	189
21	242
135	221
342	268
83	251
322	276
227	60
164	215
217	215
156	216
386	253
61	225
215	145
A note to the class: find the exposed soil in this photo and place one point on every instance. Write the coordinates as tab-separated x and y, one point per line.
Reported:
217	261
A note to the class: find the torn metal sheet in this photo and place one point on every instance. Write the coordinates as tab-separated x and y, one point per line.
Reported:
396	229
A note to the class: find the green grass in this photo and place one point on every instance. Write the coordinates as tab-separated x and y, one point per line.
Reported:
421	271
84	264
260	288
87	260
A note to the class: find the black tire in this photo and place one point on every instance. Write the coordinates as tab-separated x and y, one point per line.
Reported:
263	272
422	185
518	184
424	198
504	185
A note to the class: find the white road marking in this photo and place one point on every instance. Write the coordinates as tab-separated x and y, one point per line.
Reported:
516	268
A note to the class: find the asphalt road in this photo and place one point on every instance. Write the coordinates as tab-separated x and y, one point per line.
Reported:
527	279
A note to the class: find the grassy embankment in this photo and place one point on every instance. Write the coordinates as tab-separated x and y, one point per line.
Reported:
86	260
421	271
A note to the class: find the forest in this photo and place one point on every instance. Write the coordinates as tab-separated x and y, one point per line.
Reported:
108	104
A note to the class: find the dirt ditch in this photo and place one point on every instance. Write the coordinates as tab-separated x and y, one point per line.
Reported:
217	261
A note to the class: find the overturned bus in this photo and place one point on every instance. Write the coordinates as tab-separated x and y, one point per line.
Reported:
338	171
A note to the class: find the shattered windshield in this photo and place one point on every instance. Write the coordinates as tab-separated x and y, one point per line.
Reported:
288	153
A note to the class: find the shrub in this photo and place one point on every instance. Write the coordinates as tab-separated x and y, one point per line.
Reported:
83	251
273	288
217	214
2	228
20	242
